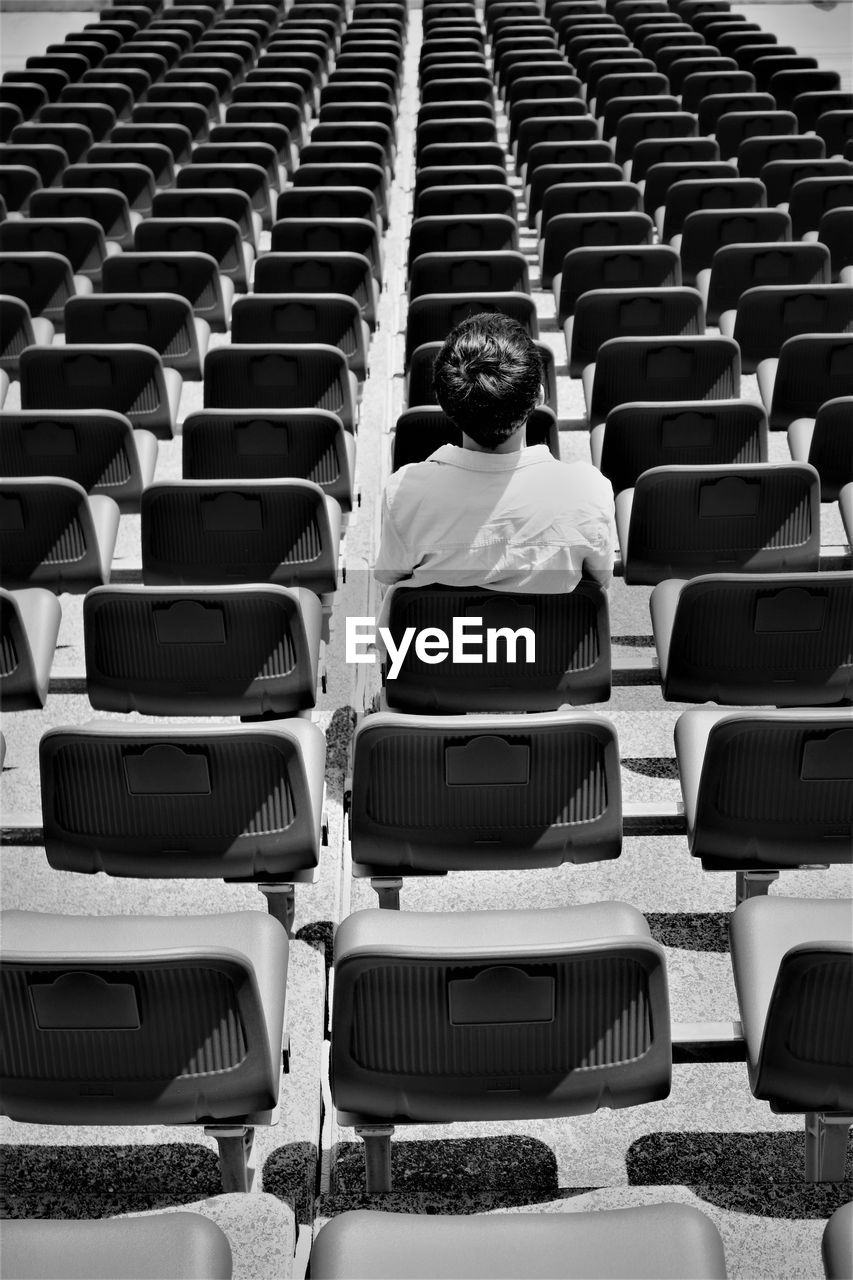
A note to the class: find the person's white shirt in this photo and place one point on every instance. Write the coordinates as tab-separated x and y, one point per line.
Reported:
516	520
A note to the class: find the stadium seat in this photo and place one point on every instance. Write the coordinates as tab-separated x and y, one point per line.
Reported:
433	315
124	377
737	267
662	1240
332	319
280	376
378	953
157	1246
135	180
797	763
707	230
422	429
780	175
193	276
97	448
621	267
29	626
74	982
176	137
835	128
570	665
18	329
163	322
176	227
80	240
191	115
52	534
104	205
42	282
809	370
752	639
762	149
634	312
290	534
792	966
308	272
835	231
767	316
682	521
640	435
490	271
686	196
628	369
308	444
73	139
811	198
568	231
826	441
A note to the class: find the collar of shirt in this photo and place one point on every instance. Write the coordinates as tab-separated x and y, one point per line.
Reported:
473	460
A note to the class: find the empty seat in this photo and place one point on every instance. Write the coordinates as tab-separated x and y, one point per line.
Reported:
760	150
75	985
191	115
554	650
637	266
738	267
707	230
637	119
74	139
793	965
826	441
423	429
733	128
17	184
583	188
621	1057
126	378
42	282
464	200
48	161
289	533
280	376
767	316
80	240
321	273
104	205
835	231
567	231
18	329
809	370
811	198
53	535
176	137
626	369
222	444
488	233
663	176
492	271
97	448
193	276
163	322
248	178
433	315
666	1240
636	312
332	319
161	1245
780	176
174	229
755	639
29	626
641	435
329	235
685	197
680	521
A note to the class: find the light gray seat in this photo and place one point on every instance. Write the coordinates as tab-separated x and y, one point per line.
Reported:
652	1242
163	1246
204	996
837	1244
793	967
434	1012
29	626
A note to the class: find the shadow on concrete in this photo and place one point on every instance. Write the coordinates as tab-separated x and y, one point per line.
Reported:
690	930
757	1173
98	1182
290	1173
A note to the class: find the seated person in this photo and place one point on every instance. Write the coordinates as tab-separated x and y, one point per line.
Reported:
493	512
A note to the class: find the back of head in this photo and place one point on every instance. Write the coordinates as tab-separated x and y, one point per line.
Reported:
487	377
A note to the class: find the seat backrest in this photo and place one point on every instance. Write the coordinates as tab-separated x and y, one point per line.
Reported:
707	230
639	312
813	368
204	1029
686	196
289	533
763	149
48	534
762	639
769	315
161	321
490	271
641	435
433	315
80	240
124	377
94	447
810	199
545	650
484	1004
268	375
701	368
41	281
738	267
424	428
617	267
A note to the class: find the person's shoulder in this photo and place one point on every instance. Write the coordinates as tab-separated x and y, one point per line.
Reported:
589	476
415	476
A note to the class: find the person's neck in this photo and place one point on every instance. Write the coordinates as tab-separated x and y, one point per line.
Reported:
512	444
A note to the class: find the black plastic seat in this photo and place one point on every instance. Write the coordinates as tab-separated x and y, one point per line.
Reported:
809	370
466	201
780	176
80	240
835	232
420	391
176	983
826	441
759	150
738	267
642	122
835	129
19	329
770	314
176	137
602	314
679	150
125	378
579	188
248	178
314	272
43	282
735	127
73	139
663	369
496	271
136	181
533	129
216	237
568	231
113	92
663	176
29	627
640	435
328	203
189	115
686	521
307	444
54	535
98	449
278	376
332	319
103	205
567	152
691	194
741	640
809	107
48	160
194	276
289	534
619	267
238	650
708	230
620	109
811	198
585	946
162	321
